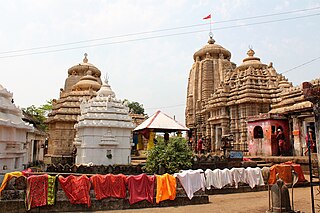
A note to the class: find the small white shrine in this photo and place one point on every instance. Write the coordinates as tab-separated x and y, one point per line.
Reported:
104	130
13	134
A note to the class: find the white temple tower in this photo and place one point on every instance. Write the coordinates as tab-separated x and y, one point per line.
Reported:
13	134
104	130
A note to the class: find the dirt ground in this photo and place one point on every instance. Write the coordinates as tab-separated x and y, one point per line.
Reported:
253	202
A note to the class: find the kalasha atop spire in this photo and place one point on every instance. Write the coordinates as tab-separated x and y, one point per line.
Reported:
85	60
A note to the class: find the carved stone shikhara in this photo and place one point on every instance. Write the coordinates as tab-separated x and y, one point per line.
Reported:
82	83
221	96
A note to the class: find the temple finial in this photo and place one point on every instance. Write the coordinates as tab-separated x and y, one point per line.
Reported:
211	40
250	52
85	60
106	78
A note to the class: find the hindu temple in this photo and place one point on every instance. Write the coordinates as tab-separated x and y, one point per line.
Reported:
82	83
221	96
104	130
13	132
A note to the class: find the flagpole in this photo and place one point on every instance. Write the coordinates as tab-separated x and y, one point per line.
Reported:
209	17
210	26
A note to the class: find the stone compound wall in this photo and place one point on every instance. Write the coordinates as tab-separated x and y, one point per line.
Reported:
12	200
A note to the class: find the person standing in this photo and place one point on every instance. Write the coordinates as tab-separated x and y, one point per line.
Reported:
200	145
74	153
309	139
280	138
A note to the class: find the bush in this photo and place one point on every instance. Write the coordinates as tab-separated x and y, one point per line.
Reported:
169	157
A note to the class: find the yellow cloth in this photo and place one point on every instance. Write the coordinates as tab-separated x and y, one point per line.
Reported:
151	141
166	187
140	145
8	177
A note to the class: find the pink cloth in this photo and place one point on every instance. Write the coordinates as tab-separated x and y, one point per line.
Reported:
141	187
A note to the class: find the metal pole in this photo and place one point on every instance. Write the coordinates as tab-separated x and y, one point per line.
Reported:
310	170
269	196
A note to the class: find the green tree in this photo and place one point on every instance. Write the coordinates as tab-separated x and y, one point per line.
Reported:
169	157
135	107
39	114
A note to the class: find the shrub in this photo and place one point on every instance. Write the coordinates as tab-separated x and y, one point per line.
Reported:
169	157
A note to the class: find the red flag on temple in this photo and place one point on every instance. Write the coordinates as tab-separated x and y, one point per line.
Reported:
207	17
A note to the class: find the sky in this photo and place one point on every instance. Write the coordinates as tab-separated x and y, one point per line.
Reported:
146	47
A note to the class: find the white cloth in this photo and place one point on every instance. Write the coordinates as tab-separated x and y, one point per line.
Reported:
191	181
212	178
254	177
238	176
218	178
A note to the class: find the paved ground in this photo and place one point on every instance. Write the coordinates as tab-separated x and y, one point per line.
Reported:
253	202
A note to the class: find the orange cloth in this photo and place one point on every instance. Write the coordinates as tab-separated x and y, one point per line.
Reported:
285	172
166	187
8	177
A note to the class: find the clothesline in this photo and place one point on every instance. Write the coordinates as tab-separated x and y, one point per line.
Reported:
140	187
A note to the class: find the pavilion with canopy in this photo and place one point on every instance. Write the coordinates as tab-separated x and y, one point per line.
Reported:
158	122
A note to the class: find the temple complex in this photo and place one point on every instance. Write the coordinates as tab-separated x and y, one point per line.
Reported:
299	111
104	130
222	96
82	83
13	133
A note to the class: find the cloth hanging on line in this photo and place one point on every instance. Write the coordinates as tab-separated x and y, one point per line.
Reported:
191	181
76	189
218	178
140	187
37	191
51	189
166	187
109	186
254	177
7	178
284	170
238	176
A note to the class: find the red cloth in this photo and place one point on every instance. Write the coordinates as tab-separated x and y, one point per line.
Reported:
109	186
37	191
76	189
200	142
141	187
